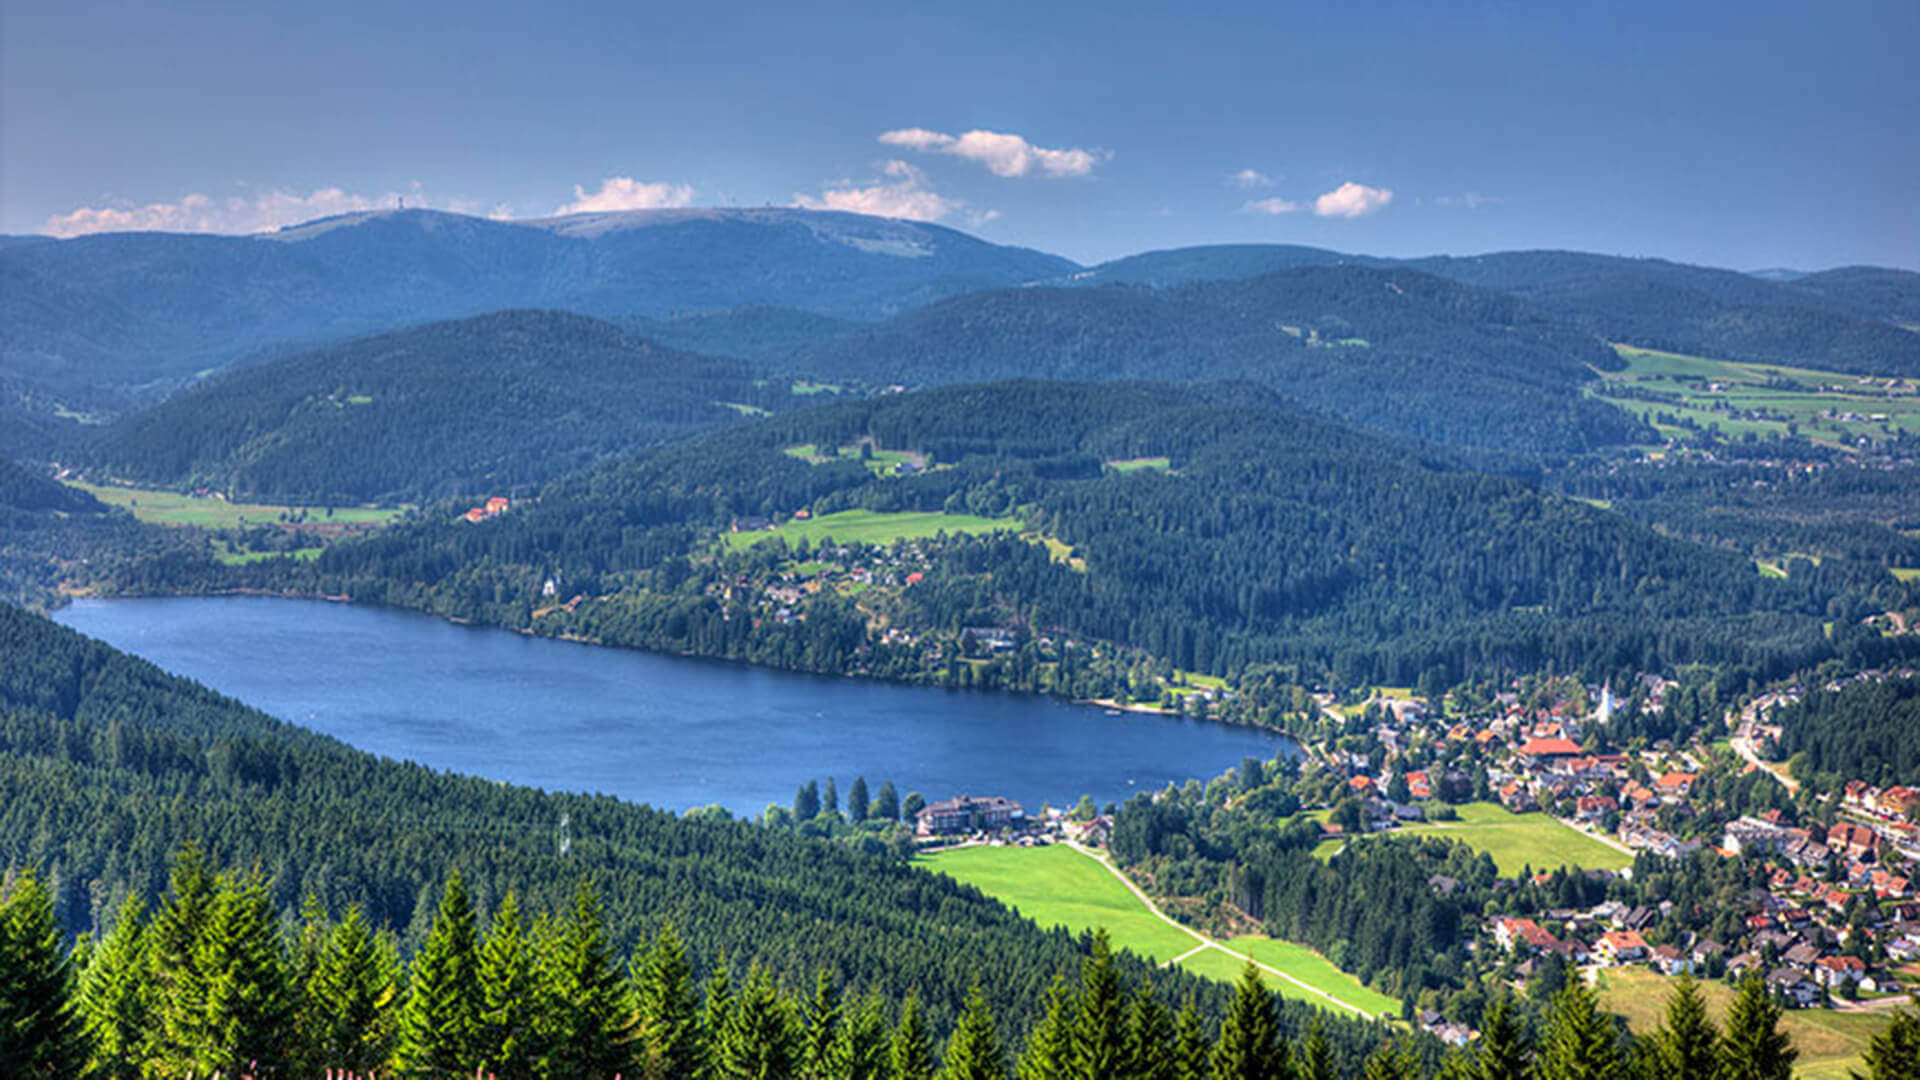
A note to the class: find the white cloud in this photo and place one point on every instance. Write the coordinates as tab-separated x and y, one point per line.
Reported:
1351	200
199	213
1472	200
902	193
917	139
1003	154
1274	205
626	193
1248	179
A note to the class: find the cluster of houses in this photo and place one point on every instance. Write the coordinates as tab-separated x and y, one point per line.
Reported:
492	508
1803	932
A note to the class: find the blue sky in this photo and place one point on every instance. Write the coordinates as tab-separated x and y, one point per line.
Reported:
1750	134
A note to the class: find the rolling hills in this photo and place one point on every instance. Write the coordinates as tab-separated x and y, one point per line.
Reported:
1272	536
1391	349
99	315
1856	319
492	404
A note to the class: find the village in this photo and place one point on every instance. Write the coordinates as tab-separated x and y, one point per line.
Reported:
1835	918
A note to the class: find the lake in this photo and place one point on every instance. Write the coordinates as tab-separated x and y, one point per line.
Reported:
671	731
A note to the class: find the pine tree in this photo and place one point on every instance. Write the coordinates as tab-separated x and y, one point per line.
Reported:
116	998
1502	1053
41	1034
1100	1025
1049	1052
719	1011
179	986
311	1018
1754	1047
440	1028
822	1027
590	1024
886	803
830	799
860	1052
669	1011
975	1052
1316	1054
355	988
1580	1042
911	1057
1249	1047
806	802
510	1006
1191	1048
1894	1054
1391	1061
857	803
1150	1038
1687	1047
250	1005
761	1040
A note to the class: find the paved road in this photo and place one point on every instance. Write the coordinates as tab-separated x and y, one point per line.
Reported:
1203	942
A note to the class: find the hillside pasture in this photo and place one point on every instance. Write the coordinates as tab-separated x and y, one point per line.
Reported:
1764	400
1829	1041
173	508
1057	886
870	527
1516	841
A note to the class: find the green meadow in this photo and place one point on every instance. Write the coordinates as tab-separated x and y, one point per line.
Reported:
1761	399
1058	886
159	507
870	527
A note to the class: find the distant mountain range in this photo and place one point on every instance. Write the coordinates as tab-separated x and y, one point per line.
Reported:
125	310
1488	350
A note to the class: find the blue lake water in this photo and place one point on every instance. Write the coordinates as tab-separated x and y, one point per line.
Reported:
665	730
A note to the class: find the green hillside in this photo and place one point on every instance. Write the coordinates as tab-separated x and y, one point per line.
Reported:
491	405
1275	538
1391	349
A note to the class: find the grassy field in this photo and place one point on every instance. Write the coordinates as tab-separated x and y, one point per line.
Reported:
231	557
880	463
1058	886
1829	1042
1517	841
1157	464
174	508
1763	399
871	527
1313	969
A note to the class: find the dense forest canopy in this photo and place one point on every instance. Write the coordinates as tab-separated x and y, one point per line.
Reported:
494	404
1392	349
1867	731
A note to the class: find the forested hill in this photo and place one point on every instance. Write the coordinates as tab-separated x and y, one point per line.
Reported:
121	310
1256	534
1841	320
494	404
1850	319
109	765
1393	349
